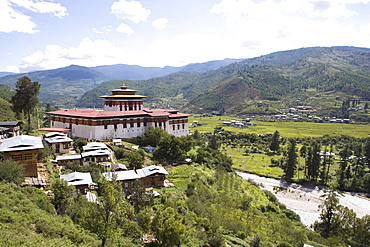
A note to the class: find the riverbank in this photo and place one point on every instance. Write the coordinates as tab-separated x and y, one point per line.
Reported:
304	199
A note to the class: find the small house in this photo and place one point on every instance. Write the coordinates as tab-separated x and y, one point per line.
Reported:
24	150
101	157
152	176
11	128
58	142
81	180
127	178
63	160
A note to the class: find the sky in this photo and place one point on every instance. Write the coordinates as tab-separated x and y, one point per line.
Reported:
49	34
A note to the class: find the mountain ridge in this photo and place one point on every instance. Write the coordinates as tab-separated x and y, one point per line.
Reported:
63	86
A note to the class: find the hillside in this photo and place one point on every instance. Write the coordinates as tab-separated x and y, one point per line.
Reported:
6	112
340	71
228	87
62	87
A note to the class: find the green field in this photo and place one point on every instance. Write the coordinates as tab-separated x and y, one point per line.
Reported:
261	163
286	129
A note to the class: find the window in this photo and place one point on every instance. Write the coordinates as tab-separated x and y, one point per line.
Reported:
23	156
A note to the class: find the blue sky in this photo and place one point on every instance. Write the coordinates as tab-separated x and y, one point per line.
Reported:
48	34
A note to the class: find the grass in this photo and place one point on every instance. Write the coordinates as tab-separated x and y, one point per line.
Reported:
286	129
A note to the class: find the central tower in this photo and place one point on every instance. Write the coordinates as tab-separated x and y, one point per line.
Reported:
123	99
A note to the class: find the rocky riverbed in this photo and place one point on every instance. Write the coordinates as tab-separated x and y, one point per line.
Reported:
304	200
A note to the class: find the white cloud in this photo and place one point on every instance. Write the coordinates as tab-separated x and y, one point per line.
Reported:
87	53
103	29
130	10
42	7
160	23
12	19
124	28
266	26
184	49
13	69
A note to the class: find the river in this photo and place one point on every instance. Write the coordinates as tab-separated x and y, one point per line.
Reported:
304	200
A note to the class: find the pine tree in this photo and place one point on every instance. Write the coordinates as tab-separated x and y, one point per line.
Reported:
290	165
275	142
25	99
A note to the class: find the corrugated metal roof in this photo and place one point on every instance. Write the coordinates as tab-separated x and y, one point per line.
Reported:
9	123
121	175
21	143
95	146
150	170
77	178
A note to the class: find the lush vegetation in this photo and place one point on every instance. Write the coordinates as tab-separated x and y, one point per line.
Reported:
27	218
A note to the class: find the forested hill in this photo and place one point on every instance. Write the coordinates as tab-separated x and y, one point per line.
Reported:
63	86
337	69
266	77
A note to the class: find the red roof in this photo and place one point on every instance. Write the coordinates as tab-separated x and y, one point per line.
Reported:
91	113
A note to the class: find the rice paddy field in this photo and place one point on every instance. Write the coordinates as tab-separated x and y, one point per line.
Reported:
286	129
260	163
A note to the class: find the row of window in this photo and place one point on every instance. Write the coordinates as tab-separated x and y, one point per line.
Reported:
22	156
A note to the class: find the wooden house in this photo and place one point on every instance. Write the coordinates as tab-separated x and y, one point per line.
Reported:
81	180
152	176
24	150
11	128
127	178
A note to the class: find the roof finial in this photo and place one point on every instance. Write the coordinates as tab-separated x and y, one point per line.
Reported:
123	86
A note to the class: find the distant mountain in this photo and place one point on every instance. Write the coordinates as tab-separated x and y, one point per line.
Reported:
6	73
62	87
275	77
335	70
188	85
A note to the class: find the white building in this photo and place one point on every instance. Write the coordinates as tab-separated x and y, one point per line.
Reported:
123	117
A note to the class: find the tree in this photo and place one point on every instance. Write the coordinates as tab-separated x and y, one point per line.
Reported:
78	144
168	227
153	136
138	196
290	165
62	195
11	172
173	148
213	142
25	99
313	168
107	217
275	142
135	159
330	214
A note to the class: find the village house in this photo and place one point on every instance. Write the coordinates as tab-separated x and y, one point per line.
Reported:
97	146
127	178
9	129
58	142
63	160
100	157
152	176
81	180
124	116
24	150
